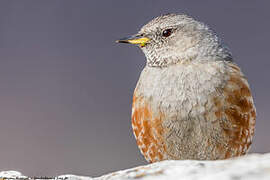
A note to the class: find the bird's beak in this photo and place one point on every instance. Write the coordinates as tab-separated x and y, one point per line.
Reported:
135	39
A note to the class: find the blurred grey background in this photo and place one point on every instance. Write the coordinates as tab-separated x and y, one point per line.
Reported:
66	86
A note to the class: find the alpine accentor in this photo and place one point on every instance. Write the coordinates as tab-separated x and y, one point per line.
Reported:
191	101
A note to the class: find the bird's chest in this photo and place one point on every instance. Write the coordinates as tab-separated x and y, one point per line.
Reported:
181	89
172	99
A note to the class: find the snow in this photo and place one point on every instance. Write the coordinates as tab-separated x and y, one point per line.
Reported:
250	167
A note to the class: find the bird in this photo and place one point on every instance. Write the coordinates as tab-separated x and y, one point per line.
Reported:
192	101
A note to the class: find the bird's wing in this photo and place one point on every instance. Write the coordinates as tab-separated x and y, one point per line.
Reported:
236	112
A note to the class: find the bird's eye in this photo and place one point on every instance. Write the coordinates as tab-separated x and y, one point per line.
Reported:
167	32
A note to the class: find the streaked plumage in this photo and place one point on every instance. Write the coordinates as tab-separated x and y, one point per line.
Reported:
191	101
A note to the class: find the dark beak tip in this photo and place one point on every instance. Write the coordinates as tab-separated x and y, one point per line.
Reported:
121	41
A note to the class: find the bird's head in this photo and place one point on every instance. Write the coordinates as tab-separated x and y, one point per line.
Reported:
174	38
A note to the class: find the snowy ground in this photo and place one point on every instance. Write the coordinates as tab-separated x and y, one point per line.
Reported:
251	167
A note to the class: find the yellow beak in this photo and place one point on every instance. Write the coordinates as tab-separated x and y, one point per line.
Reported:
135	39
